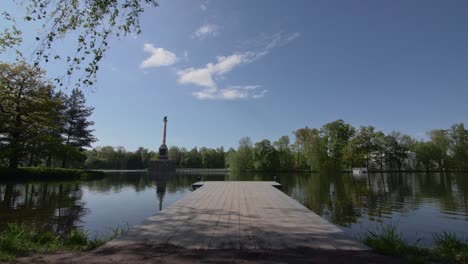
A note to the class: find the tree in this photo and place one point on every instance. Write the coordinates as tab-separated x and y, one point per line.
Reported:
175	154
441	142
265	156
286	158
309	142
380	149
28	111
336	135
395	154
192	159
459	146
91	24
77	132
360	148
242	159
425	151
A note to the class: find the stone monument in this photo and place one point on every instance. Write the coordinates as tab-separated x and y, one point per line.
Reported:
163	166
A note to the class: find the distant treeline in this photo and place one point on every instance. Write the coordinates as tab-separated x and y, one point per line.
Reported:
118	158
339	146
40	126
335	146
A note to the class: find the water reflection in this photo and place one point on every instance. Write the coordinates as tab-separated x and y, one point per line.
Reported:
56	207
420	203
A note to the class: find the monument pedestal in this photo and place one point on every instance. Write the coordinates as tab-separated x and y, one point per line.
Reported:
161	168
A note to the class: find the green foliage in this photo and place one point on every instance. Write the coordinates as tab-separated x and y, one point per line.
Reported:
242	159
76	126
335	146
285	153
37	124
42	173
386	240
312	146
395	153
265	156
29	109
427	153
459	147
89	25
335	136
359	148
10	36
450	246
20	240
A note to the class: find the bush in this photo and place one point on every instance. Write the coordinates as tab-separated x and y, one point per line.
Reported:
451	247
386	240
448	248
20	240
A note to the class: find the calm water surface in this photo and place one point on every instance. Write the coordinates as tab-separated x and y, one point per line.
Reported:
419	203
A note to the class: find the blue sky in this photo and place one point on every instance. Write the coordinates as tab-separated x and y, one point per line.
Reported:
221	70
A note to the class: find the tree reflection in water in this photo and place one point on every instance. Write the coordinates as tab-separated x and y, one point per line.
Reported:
344	199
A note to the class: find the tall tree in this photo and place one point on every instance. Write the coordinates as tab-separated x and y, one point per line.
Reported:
360	148
336	135
242	159
309	141
77	126
28	111
441	142
286	158
425	152
265	156
459	146
395	154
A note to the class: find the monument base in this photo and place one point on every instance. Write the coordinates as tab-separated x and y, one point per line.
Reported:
161	168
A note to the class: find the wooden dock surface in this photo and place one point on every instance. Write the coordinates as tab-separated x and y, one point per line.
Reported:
239	215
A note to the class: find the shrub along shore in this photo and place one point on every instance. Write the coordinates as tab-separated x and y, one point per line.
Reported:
21	240
42	173
448	247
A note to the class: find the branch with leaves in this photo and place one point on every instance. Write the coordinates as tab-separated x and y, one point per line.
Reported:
91	24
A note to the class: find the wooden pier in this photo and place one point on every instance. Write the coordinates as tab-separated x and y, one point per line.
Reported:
238	215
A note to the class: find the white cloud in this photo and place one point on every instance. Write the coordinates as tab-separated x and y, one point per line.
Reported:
201	77
231	93
207	76
159	57
205	31
203	7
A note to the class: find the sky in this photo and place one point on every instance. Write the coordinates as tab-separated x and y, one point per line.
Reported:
221	70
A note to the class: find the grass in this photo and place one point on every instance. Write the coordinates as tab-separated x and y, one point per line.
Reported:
448	247
43	173
22	240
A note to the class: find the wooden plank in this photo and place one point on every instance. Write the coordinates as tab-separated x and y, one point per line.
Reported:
240	215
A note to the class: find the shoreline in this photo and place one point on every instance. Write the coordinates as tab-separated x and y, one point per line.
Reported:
140	253
44	173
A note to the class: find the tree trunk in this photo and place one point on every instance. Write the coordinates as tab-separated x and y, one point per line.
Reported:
381	163
49	160
31	158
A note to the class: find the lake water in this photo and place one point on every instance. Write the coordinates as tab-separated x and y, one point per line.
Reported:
419	203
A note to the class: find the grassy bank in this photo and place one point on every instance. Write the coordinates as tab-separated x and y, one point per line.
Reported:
21	240
42	173
448	247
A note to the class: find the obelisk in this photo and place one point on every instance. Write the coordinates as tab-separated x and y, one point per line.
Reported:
163	167
163	148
